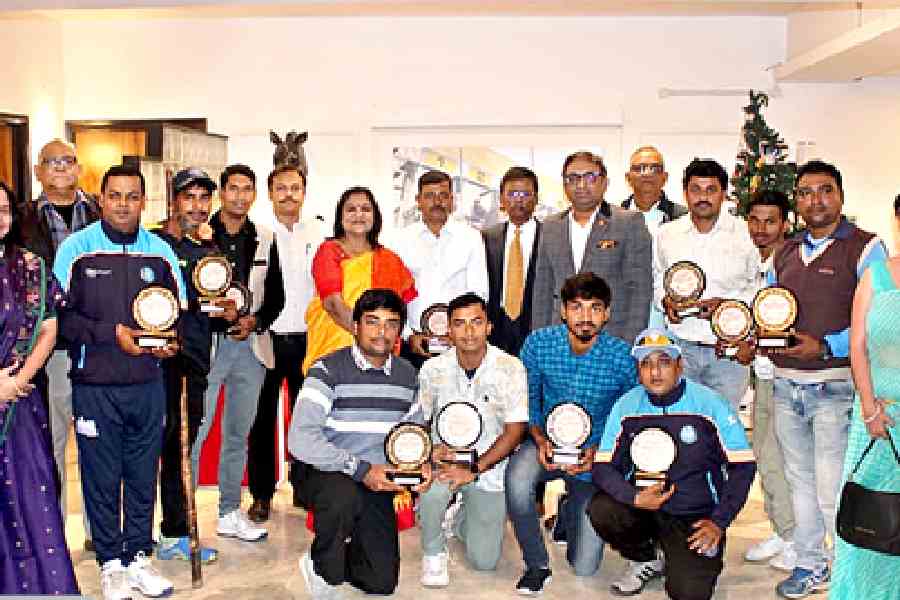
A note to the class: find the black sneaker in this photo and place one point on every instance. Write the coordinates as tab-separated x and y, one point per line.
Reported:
559	533
533	581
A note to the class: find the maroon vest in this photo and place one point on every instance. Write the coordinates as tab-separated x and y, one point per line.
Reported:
824	288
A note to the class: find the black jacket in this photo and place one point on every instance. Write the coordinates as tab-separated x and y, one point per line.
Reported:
36	233
669	209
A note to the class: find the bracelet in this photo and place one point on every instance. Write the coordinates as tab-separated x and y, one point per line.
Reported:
875	414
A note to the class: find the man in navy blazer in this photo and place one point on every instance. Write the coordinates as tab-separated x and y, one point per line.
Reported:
518	197
592	236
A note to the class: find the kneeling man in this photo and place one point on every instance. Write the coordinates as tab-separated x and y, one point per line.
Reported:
350	399
472	388
701	487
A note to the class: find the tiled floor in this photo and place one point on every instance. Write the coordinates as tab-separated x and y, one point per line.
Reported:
268	570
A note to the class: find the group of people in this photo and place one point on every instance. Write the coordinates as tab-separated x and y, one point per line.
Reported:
570	316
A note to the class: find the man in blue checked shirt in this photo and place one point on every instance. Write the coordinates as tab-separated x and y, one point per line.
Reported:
573	362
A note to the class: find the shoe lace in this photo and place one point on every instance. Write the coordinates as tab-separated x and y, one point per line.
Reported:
642	570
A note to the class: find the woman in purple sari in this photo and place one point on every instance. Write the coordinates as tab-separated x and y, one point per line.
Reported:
33	555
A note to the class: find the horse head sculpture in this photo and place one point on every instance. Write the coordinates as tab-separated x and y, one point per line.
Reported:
290	151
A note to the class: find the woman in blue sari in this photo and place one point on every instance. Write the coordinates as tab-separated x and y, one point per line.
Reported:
34	559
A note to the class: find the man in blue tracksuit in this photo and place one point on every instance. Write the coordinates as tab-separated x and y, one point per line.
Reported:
118	397
705	487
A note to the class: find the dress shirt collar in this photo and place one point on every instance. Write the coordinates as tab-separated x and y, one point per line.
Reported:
724	222
591	220
524	229
281	227
363	364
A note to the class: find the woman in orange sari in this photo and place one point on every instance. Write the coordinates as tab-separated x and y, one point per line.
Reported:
344	267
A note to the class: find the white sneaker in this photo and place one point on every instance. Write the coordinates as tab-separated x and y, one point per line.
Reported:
636	576
765	549
318	588
147	580
236	524
113	581
785	560
434	571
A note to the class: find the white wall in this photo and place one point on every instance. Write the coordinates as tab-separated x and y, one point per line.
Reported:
31	81
351	81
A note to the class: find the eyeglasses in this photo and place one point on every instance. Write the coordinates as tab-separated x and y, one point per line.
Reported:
430	196
59	161
647	169
520	195
808	192
589	178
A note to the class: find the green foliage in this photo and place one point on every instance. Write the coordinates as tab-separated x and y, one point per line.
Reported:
762	157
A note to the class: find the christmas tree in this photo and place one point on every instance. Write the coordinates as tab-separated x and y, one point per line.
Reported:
762	157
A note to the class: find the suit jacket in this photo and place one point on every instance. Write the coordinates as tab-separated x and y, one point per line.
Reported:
618	250
507	334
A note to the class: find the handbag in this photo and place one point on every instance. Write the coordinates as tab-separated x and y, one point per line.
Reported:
867	518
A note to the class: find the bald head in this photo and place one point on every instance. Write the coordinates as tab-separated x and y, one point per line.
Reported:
647	176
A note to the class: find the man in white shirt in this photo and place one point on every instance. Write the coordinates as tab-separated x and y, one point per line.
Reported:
446	258
297	243
719	244
495	385
767	221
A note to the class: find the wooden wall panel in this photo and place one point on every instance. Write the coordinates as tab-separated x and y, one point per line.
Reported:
99	149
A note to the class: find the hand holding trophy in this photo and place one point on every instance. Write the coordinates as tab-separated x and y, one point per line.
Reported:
407	447
732	322
653	451
212	277
155	310
435	325
684	283
568	427
459	426
775	311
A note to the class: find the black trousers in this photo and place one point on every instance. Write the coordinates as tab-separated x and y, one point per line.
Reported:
290	350
634	533
171	491
343	508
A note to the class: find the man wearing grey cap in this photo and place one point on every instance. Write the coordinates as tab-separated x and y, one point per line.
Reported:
674	469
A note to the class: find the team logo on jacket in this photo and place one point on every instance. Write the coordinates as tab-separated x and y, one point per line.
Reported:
147	275
688	434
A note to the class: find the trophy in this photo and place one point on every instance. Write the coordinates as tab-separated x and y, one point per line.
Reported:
653	451
459	425
684	283
435	324
568	427
212	276
407	447
732	322
155	309
242	297
775	311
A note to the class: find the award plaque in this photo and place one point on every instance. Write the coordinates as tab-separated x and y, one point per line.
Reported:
684	283
568	427
435	324
775	311
212	276
407	447
732	322
242	297
155	309
459	425
653	451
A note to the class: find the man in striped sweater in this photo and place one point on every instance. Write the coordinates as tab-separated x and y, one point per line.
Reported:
349	401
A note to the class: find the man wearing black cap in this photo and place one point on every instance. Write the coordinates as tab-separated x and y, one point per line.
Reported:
184	233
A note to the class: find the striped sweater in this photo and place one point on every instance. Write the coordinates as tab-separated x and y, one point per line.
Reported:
345	409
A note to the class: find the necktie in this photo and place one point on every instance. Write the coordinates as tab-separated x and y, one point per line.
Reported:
515	280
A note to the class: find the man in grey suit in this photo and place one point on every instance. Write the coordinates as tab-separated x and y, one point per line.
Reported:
511	250
609	241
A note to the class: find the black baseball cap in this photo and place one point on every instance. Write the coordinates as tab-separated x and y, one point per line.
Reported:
192	176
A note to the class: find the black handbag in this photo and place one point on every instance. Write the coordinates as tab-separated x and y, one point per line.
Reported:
869	519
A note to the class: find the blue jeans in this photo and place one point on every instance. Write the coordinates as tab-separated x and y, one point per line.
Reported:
728	377
523	474
812	422
237	368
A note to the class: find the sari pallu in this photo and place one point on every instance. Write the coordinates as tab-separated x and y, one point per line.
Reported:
33	554
335	271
